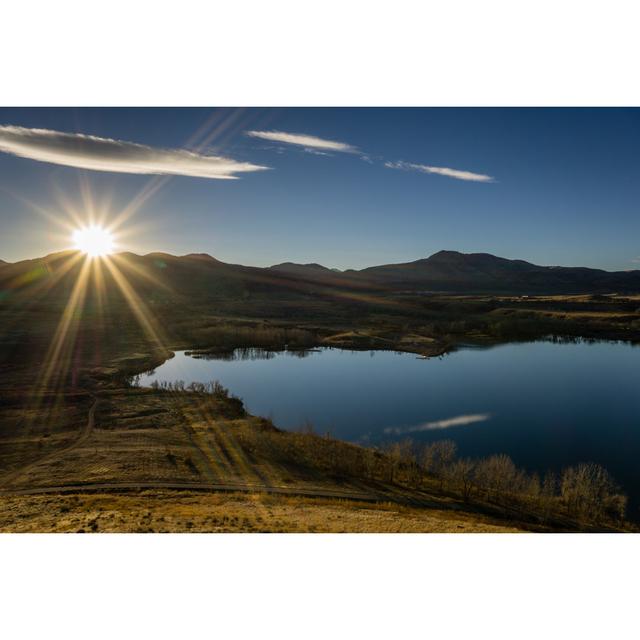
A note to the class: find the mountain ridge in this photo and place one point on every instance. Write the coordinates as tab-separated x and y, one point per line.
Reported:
443	271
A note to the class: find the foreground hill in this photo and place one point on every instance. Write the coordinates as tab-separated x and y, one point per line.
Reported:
162	511
117	458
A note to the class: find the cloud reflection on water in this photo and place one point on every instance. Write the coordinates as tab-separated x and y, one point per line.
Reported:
454	421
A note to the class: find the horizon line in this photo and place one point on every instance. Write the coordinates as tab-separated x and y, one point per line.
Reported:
306	264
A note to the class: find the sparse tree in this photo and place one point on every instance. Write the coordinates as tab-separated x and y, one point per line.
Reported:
394	455
498	475
462	476
437	458
589	492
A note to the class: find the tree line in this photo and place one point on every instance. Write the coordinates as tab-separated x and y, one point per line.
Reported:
585	491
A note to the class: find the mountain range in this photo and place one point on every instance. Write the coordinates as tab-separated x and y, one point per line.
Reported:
455	272
445	271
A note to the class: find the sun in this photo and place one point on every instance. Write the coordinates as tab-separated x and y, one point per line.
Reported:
95	241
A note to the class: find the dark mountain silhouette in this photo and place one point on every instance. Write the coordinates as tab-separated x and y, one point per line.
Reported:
203	277
473	272
294	267
314	273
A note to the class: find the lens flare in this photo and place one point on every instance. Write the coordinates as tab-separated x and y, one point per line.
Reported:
95	241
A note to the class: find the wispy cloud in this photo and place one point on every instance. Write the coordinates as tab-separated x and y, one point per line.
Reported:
104	154
315	152
321	146
303	140
441	171
447	423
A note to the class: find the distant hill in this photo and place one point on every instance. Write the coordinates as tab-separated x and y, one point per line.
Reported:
452	271
155	274
202	277
294	267
315	273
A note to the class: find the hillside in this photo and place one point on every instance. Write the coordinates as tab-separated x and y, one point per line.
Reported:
117	458
459	272
205	277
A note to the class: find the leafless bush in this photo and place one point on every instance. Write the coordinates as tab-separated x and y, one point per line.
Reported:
438	456
462	476
589	492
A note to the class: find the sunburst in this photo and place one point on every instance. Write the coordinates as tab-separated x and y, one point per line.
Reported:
94	240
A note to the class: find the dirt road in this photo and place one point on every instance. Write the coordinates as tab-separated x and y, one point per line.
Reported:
85	432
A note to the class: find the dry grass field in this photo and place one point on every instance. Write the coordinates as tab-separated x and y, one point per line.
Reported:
182	511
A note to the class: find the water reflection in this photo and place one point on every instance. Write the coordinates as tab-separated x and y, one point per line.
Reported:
249	353
447	423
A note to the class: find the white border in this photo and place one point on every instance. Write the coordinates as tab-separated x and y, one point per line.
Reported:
290	53
335	52
319	586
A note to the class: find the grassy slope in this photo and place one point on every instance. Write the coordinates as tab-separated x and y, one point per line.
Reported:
173	512
142	437
182	445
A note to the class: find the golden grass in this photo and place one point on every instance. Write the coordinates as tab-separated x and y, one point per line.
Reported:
181	511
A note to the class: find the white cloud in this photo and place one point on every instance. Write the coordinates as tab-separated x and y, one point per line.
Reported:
104	154
313	144
303	140
455	421
442	171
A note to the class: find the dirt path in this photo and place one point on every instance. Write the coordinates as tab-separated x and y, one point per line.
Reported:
365	495
84	434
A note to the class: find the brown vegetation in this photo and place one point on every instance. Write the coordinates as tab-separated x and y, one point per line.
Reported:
198	434
160	511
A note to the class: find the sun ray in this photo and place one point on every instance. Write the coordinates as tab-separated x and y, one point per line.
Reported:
126	264
44	280
141	312
63	340
222	126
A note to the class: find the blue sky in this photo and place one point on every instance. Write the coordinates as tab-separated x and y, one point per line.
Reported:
552	186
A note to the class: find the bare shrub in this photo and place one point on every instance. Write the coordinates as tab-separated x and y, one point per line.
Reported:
462	476
589	492
438	456
496	475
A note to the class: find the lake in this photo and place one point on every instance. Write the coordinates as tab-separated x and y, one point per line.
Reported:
546	404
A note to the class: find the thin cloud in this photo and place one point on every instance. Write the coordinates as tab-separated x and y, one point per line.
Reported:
441	171
104	154
320	146
447	423
315	152
303	140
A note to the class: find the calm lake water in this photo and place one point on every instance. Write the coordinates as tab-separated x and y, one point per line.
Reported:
546	404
